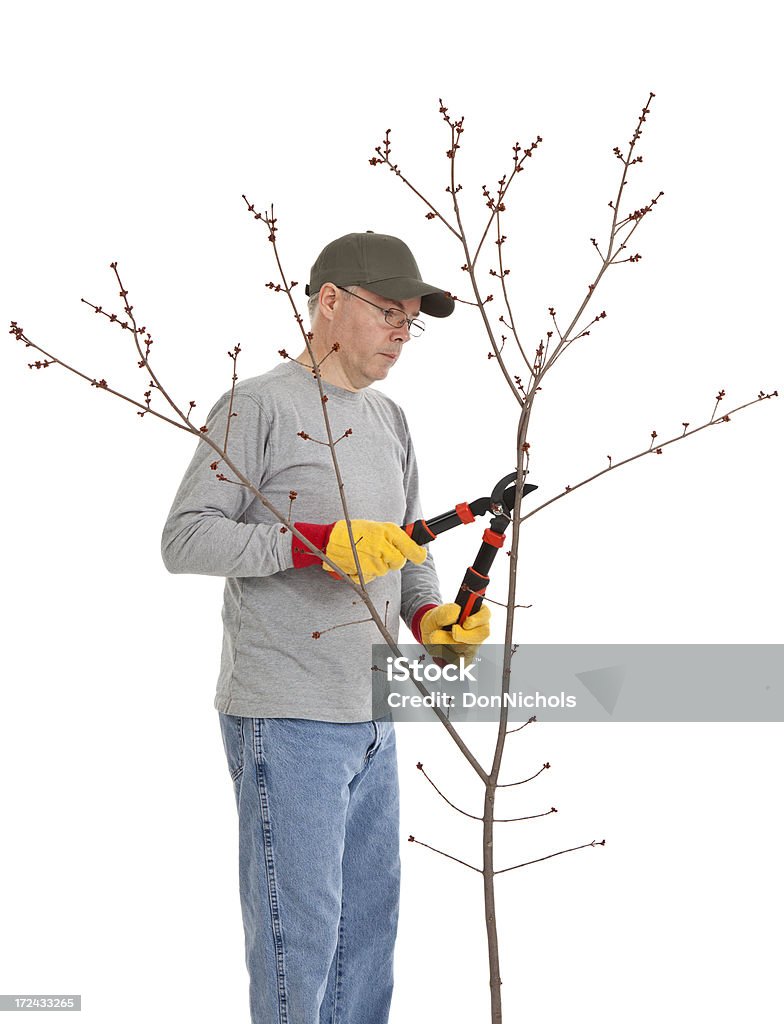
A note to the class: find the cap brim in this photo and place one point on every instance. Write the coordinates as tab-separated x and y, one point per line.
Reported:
435	301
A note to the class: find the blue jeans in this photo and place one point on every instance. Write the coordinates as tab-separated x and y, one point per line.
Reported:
319	854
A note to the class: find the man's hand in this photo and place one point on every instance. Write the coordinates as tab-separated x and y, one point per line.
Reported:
380	547
443	638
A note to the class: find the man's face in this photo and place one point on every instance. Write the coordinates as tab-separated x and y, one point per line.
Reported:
369	347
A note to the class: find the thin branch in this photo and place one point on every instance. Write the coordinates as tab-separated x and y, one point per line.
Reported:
446	799
320	632
498	206
549	855
489	600
411	839
203	435
100	384
456	128
519	727
502	274
638	215
761	397
529	817
383	158
233	356
143	356
477	817
307	437
503	785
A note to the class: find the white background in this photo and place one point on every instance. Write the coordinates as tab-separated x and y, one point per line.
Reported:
129	133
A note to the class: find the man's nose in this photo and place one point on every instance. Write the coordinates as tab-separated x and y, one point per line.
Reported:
401	334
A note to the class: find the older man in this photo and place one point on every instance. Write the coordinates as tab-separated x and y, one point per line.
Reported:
315	775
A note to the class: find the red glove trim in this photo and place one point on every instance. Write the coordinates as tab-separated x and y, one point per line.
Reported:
318	534
417	620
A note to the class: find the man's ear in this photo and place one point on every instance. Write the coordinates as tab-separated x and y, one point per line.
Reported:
328	297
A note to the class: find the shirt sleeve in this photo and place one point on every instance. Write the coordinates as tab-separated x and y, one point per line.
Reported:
419	583
206	531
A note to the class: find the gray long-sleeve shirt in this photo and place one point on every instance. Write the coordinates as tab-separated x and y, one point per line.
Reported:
271	666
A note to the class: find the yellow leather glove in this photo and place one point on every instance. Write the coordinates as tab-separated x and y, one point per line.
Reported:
380	547
443	638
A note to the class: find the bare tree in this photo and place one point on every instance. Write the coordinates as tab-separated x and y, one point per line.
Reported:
533	363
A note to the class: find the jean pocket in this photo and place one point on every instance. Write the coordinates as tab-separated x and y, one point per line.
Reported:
232	732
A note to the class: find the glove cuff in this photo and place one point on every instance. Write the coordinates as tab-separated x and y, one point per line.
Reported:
416	622
318	534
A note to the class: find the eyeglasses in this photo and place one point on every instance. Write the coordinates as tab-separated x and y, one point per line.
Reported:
394	317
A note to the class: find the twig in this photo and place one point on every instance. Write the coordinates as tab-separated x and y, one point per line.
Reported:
519	727
233	356
383	158
476	817
411	839
446	799
520	782
502	274
725	418
549	855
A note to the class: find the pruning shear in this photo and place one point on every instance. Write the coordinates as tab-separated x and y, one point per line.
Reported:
500	503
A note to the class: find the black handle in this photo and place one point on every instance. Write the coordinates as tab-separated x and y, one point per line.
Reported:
471	593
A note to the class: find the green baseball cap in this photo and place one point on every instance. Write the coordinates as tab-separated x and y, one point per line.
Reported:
382	264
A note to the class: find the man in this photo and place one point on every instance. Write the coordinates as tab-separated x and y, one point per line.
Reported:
315	776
